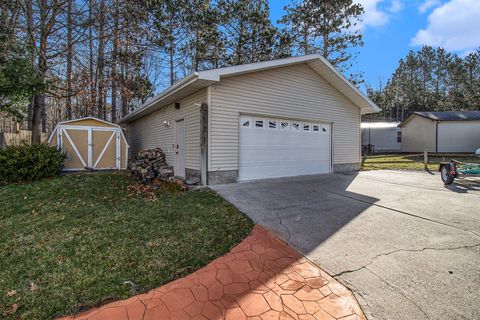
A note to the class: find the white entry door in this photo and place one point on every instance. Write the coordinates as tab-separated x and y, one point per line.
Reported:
271	148
180	149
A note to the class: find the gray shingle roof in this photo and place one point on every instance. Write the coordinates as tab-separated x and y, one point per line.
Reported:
451	115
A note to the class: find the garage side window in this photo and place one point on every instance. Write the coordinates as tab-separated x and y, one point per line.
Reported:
259	124
399	136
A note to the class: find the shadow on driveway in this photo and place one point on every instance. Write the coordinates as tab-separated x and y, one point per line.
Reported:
408	247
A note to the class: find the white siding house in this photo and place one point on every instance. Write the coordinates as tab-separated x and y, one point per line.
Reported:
278	118
382	136
441	132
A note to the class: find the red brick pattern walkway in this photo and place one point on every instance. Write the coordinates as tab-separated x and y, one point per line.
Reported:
261	278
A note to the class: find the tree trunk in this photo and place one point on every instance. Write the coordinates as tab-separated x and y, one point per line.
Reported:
124	91
38	106
240	44
31	43
39	110
124	105
114	63
305	39
68	103
100	60
325	46
90	47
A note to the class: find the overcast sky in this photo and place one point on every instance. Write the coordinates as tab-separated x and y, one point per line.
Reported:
393	27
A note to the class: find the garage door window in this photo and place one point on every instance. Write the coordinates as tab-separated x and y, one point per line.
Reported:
272	124
306	127
258	124
246	123
296	126
284	125
315	128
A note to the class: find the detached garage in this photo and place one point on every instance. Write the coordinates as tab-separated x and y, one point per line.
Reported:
91	143
441	132
280	118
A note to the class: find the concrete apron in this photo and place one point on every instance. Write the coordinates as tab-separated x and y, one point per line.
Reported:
407	246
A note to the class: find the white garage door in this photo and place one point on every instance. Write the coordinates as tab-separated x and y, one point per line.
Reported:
271	148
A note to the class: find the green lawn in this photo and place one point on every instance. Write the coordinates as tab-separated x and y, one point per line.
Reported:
407	162
77	241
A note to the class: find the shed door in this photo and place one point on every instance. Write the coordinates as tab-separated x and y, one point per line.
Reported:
104	146
74	142
91	147
271	148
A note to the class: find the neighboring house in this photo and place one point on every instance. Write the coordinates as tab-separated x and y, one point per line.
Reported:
287	117
382	136
457	131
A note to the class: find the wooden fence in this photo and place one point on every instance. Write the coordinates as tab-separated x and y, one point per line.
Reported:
18	139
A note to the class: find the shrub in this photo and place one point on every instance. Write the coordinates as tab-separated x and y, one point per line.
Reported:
30	162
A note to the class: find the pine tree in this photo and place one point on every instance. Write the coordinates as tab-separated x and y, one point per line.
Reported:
204	47
328	27
249	33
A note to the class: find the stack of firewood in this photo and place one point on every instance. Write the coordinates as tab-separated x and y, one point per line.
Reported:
150	164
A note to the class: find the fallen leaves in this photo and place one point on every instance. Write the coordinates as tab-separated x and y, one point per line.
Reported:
12	310
146	191
33	287
11	293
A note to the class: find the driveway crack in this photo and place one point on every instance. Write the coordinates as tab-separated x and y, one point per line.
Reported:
399	292
383	254
283	225
366	308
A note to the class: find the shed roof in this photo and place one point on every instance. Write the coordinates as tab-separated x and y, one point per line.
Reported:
446	116
89	120
202	79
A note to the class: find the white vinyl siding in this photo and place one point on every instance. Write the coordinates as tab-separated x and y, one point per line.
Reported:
150	132
294	92
458	136
382	139
418	135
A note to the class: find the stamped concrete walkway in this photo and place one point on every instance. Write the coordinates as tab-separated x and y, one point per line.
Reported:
261	278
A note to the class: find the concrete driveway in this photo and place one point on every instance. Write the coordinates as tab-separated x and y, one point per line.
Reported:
408	247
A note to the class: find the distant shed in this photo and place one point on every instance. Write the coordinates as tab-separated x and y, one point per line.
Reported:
91	143
382	136
442	132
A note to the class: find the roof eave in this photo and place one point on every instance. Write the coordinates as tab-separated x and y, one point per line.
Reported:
168	92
